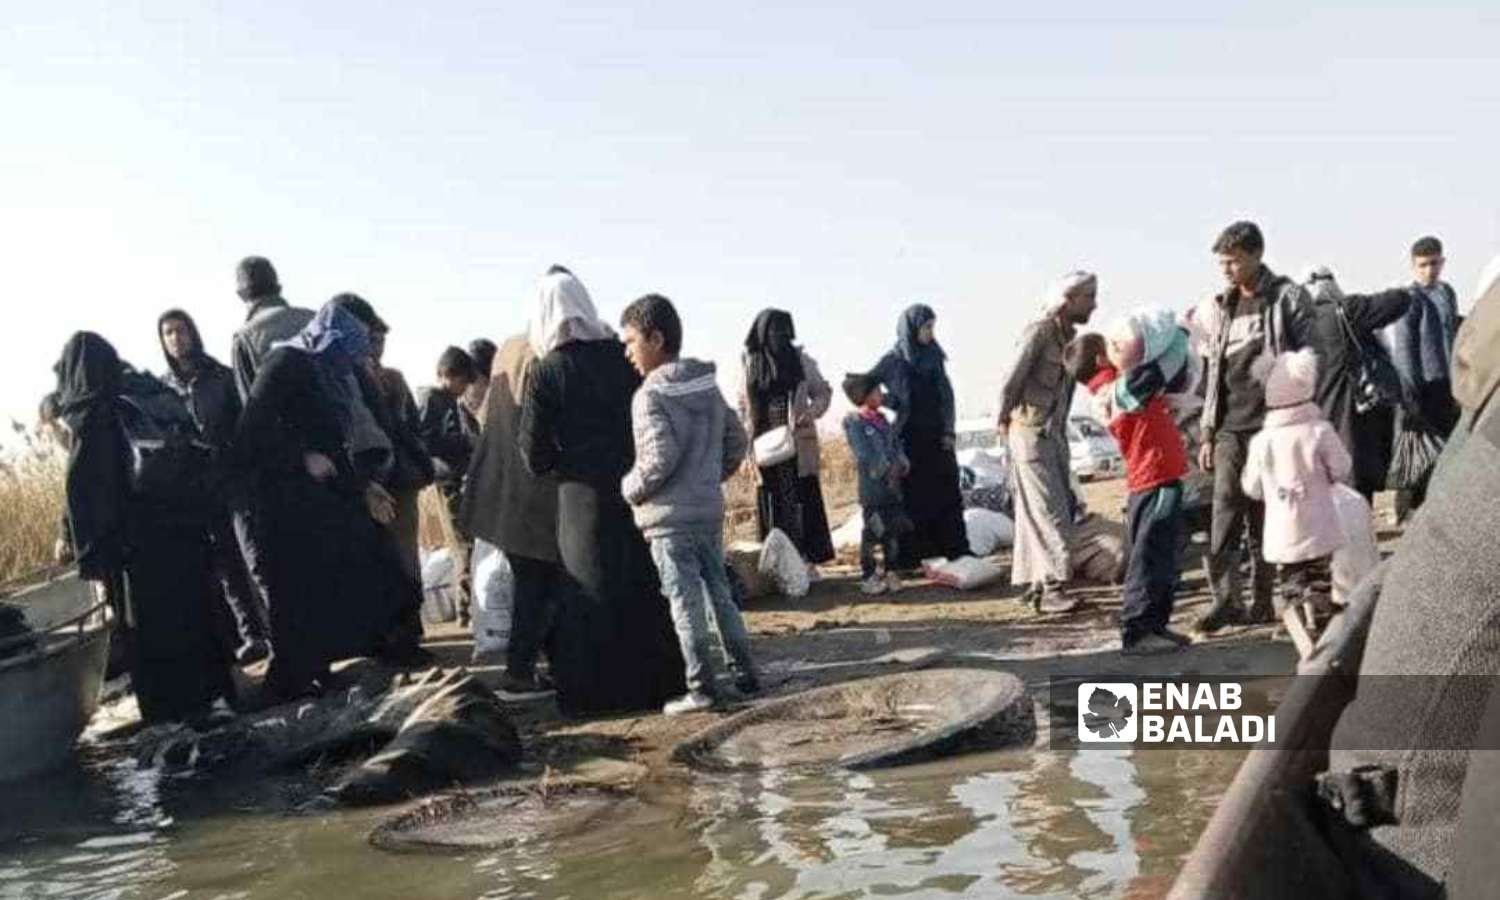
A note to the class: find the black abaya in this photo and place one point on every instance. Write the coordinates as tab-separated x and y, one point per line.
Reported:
613	647
931	492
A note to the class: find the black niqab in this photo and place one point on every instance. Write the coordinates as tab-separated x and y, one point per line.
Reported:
88	383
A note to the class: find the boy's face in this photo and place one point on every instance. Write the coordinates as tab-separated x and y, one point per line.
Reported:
645	351
455	385
1428	269
177	338
875	399
1240	268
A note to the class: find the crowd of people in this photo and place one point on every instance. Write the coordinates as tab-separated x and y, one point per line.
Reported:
269	507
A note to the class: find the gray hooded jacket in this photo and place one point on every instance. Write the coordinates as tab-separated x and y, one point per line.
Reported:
687	442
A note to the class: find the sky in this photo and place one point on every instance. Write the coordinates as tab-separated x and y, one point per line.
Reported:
838	162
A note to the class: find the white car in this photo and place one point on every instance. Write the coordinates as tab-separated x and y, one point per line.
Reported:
1092	450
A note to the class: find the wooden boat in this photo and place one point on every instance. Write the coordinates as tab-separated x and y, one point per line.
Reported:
1263	840
50	677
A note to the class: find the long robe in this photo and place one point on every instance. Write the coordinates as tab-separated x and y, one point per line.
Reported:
613	647
336	584
177	666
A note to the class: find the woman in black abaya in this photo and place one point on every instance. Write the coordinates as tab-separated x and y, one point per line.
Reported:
159	544
613	647
919	392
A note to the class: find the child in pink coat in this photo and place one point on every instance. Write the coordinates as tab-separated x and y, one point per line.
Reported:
1292	464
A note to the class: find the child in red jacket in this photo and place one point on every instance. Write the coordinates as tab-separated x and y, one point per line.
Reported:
1132	406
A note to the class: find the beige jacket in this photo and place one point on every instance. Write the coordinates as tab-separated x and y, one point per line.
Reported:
811	402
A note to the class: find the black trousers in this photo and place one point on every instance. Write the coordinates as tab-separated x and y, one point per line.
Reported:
1235	531
246	616
1154	525
537	586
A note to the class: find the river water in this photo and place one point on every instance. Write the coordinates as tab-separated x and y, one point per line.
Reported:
1100	821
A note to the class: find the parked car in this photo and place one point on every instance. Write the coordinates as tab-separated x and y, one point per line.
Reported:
1092	450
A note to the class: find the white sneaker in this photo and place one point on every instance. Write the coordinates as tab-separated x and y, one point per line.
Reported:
691	702
874	585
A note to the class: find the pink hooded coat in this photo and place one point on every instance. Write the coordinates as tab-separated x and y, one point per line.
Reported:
1293	464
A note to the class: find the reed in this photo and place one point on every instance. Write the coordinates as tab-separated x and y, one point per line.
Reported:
31	496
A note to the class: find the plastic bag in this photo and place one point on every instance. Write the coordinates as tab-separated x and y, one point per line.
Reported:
780	562
1358	556
439	587
849	534
494	601
1098	551
988	531
965	573
1416	452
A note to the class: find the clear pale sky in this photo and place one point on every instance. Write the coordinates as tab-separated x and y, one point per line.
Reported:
838	162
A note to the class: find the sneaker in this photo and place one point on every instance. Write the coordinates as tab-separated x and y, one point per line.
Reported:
522	686
252	652
892	582
1217	618
1180	640
874	585
692	702
1150	645
1054	600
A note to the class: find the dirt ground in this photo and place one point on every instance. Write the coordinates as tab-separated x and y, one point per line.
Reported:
836	634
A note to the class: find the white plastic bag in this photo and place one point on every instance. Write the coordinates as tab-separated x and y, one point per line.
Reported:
494	601
439	587
780	562
1358	556
850	534
965	573
988	531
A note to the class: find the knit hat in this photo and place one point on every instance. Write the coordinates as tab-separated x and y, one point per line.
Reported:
1290	379
858	385
255	277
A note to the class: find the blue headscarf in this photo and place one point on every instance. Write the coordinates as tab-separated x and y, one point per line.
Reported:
339	344
925	358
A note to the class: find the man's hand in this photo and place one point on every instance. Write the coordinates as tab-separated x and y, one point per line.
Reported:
381	505
318	466
1206	456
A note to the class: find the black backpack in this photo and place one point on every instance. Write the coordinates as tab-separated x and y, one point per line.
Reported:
169	462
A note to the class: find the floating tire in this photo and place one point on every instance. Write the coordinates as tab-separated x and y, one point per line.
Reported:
500	818
871	723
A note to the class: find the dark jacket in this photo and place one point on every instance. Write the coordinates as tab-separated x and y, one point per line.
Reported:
1422	339
1286	316
882	463
576	420
448	430
503	503
1338	360
412	468
209	392
269	321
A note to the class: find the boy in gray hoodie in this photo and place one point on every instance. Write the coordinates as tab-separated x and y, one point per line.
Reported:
687	443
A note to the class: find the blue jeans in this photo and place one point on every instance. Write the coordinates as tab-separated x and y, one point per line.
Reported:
693	578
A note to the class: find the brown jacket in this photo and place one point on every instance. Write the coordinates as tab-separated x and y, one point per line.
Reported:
1038	391
813	397
503	502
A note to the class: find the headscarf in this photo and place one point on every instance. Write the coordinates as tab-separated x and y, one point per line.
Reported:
925	358
1057	295
770	372
1322	286
192	327
339	345
88	382
564	312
